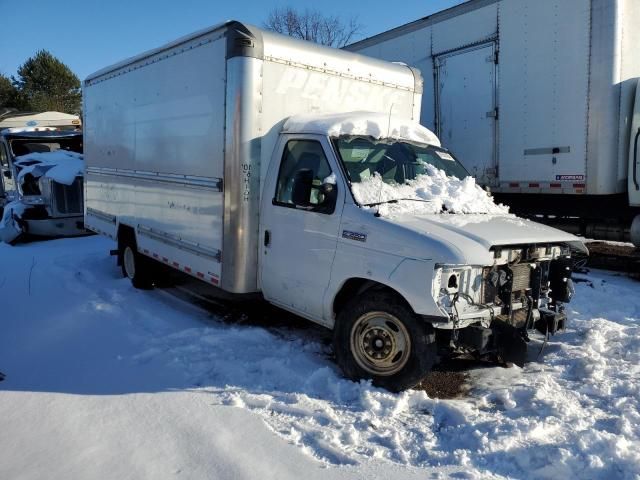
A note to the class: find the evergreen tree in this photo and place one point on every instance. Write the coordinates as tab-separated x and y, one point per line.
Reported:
9	95
46	83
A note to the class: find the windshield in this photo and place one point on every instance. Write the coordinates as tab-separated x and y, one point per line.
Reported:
393	176
396	161
23	146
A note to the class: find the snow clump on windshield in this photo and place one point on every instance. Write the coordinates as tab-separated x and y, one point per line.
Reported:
433	191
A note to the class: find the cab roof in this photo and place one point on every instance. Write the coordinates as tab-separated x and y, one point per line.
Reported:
367	124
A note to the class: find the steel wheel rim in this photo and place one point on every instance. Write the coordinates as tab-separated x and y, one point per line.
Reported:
380	343
129	262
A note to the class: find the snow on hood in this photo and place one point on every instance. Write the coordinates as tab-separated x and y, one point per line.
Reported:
371	124
436	189
61	166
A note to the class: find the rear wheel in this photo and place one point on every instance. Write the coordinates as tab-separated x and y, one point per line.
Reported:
135	266
378	337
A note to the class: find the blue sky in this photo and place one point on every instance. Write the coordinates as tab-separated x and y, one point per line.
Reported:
90	34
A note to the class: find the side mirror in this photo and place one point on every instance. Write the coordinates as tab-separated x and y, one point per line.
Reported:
302	184
329	193
327	189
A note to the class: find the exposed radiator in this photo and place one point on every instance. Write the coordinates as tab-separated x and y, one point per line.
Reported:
521	277
67	199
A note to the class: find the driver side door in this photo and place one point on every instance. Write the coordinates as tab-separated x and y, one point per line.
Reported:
299	232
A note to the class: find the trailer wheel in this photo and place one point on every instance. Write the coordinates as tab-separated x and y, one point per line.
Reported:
135	266
378	337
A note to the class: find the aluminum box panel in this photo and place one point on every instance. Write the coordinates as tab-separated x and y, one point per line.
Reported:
414	49
565	81
154	145
461	30
466	110
544	81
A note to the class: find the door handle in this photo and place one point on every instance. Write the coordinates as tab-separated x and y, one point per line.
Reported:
635	161
267	238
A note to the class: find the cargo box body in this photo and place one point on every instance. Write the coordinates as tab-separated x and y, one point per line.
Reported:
532	96
178	139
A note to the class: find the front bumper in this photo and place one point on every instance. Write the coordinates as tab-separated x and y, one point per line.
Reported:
56	227
505	340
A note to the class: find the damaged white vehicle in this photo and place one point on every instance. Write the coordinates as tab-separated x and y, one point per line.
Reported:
41	184
298	173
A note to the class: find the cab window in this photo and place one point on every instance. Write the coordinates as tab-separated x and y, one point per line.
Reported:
305	179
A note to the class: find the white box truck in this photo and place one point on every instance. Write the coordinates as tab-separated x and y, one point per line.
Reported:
265	165
539	99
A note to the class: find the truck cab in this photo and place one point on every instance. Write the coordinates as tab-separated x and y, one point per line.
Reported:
39	193
358	237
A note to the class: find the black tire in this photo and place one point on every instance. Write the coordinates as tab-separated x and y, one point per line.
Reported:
368	342
135	266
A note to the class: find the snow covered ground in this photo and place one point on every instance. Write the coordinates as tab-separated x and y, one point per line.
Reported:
103	381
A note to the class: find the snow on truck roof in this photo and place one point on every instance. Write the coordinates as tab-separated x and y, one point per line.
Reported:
371	124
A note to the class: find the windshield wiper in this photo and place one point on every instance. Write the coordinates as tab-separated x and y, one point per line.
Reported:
396	200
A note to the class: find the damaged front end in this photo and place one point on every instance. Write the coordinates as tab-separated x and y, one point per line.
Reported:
44	184
491	309
43	207
57	199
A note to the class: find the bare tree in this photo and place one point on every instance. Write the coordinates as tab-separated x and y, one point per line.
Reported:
313	26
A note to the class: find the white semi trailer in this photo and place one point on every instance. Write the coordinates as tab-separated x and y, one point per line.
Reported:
539	99
244	159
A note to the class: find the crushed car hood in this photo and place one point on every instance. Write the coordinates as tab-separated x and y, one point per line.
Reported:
61	165
486	230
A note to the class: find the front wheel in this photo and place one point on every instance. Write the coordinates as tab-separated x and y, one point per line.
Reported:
378	337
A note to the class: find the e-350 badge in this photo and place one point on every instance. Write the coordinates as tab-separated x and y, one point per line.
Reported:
357	236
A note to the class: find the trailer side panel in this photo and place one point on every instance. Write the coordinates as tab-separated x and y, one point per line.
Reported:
155	153
544	75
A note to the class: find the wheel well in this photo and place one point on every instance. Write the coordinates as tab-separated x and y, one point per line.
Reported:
125	233
357	286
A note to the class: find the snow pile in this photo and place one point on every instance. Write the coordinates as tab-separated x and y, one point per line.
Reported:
435	189
141	384
371	124
62	166
576	414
